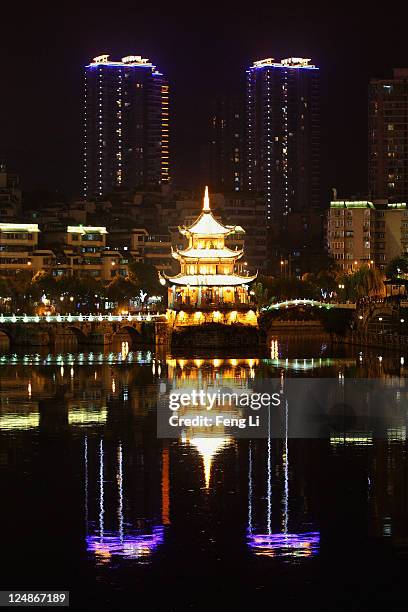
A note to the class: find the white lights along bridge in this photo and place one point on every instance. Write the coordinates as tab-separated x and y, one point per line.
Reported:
79	318
304	302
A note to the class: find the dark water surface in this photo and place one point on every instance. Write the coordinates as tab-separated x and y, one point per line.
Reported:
92	502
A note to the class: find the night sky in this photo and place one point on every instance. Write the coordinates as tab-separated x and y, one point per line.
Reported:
203	51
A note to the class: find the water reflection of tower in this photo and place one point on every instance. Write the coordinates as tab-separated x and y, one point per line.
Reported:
123	513
210	375
270	525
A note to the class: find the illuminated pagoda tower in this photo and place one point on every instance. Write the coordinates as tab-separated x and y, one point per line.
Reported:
212	287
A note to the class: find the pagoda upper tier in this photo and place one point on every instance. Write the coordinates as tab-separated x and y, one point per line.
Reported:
207	226
207	261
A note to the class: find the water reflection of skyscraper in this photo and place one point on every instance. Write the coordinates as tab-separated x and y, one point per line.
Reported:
120	518
264	535
83	393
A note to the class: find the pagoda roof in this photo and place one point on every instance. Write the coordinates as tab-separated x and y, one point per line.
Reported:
224	253
207	225
210	280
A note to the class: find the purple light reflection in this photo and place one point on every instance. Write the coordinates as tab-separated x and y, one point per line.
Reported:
128	546
285	544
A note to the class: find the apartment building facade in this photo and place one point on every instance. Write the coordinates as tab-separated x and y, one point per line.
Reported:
78	251
18	242
366	233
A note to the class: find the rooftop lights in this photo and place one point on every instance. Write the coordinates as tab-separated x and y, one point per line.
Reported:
86	229
19	227
289	62
100	59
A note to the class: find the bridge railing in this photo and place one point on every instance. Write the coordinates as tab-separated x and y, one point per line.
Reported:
79	318
308	302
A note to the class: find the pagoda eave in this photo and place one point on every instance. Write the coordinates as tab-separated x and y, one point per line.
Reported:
211	280
208	255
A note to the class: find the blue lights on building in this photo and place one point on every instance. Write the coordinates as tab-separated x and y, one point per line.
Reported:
126	125
283	135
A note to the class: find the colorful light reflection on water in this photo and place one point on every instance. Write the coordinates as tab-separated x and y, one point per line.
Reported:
129	546
285	544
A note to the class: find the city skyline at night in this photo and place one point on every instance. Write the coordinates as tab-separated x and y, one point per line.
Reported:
203	306
42	136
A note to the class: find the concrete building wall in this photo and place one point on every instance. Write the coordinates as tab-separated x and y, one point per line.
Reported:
366	233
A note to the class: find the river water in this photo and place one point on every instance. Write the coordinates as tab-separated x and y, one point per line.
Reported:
93	503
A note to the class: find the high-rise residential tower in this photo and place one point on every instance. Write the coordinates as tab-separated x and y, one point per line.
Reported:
388	136
283	135
126	125
226	146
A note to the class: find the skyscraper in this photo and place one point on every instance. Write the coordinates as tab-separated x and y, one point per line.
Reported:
283	135
226	146
388	136
126	125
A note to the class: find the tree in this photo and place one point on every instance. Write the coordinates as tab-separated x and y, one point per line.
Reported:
19	288
261	294
4	288
120	290
397	267
321	284
146	277
42	283
364	282
87	291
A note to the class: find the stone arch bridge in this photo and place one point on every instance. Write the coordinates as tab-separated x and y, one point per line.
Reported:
87	329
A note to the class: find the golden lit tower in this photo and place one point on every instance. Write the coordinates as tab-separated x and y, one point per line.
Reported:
210	278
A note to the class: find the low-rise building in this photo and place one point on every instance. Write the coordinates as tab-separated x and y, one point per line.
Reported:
80	250
362	232
154	249
88	255
18	241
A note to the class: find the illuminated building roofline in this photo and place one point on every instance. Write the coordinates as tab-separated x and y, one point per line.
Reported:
368	204
128	60
351	204
19	227
86	229
289	62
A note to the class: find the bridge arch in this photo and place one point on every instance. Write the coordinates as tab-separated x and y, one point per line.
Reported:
135	336
5	337
382	321
67	333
